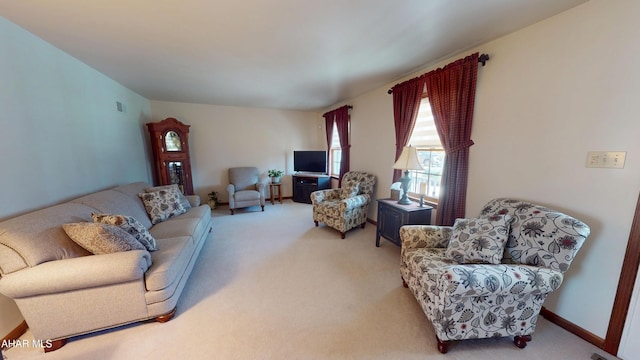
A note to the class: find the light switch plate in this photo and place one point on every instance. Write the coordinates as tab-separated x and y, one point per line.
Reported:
606	159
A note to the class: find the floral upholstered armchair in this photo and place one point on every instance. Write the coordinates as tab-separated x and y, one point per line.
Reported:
489	276
346	207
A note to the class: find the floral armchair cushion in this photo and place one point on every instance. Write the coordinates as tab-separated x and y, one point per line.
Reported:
539	236
479	240
349	191
365	182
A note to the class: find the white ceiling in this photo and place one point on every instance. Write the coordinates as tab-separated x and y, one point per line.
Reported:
286	54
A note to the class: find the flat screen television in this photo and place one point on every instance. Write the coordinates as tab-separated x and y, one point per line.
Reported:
314	161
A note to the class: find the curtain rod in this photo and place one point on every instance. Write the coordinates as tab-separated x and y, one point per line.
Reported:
348	107
481	59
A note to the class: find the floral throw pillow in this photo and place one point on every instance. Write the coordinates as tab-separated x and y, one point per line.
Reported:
161	205
173	187
131	226
479	240
349	190
101	238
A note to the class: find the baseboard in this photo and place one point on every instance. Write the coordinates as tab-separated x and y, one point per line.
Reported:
15	333
572	328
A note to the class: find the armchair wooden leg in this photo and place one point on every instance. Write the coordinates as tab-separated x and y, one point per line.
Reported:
231	211
316	223
262	207
362	226
443	346
342	235
55	345
404	283
521	341
166	317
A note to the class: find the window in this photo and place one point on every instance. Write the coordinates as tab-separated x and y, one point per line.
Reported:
335	154
430	152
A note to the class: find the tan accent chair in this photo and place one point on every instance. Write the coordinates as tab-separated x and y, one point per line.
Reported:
246	188
346	207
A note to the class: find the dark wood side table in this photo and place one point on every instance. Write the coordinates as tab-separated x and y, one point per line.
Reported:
272	188
391	216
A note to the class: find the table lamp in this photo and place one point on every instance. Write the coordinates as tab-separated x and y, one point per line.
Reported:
408	160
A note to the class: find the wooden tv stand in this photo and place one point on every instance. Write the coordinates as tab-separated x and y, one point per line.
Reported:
305	184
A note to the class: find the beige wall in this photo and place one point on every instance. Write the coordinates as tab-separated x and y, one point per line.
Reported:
224	136
61	134
550	93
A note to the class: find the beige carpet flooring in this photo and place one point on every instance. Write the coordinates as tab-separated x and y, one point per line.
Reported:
270	285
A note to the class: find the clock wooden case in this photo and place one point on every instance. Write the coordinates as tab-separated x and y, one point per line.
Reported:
170	145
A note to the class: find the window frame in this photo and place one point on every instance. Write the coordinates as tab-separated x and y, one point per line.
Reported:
415	175
333	158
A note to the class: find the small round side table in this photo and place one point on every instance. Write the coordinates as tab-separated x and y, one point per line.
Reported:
272	189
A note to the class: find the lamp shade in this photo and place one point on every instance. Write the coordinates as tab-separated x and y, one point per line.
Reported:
408	160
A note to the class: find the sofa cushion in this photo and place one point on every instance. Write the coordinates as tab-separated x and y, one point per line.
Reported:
197	212
169	262
37	237
101	238
479	240
161	205
176	190
130	225
132	190
116	202
176	227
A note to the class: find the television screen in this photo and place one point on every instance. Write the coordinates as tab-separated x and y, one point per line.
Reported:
310	161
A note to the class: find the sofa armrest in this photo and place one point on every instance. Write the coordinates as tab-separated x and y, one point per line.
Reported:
76	273
354	202
425	236
194	200
324	195
503	279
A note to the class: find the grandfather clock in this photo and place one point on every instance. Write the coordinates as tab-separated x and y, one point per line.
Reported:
170	144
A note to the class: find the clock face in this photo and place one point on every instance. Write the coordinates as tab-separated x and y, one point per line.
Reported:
172	141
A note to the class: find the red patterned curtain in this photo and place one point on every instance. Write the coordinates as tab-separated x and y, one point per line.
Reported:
406	101
342	124
329	120
451	92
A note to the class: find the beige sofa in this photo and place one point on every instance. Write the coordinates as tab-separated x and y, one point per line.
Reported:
63	290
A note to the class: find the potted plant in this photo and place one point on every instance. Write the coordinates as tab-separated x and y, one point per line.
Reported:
213	200
275	175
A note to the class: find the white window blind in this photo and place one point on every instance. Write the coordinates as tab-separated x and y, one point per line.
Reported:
424	133
335	154
430	153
